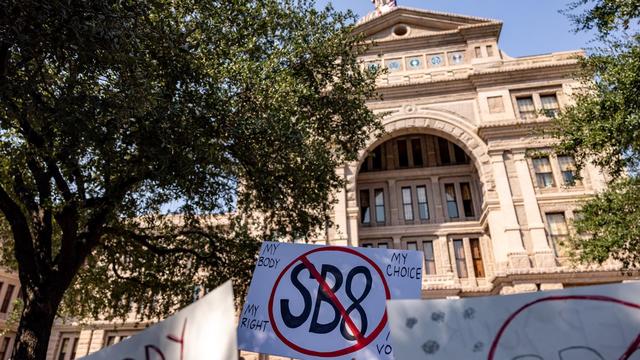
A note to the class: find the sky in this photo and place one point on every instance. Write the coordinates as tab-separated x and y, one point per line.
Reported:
530	27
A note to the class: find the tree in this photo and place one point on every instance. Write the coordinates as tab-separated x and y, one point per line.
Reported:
604	127
130	130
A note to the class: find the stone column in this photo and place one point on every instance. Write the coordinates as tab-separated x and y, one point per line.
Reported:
393	203
543	254
341	226
516	254
439	215
84	342
443	244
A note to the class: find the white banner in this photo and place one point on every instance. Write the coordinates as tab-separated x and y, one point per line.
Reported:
310	302
588	323
203	330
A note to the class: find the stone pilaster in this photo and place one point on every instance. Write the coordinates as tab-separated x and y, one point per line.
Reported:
544	256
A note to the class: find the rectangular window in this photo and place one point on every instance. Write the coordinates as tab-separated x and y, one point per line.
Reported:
550	105
63	349
478	52
443	149
429	257
461	156
558	229
452	203
376	160
379	198
412	246
383	246
467	201
365	207
367	245
423	204
403	154
476	255
4	349
544	174
526	108
489	50
7	299
74	348
110	341
416	151
461	261
407	203
568	169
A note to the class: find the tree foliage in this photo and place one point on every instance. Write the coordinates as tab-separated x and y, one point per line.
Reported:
145	145
603	127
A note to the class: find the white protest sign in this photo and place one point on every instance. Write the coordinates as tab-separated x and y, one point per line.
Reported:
310	302
588	323
205	329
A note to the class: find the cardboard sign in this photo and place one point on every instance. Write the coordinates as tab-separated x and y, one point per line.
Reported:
310	302
205	329
588	323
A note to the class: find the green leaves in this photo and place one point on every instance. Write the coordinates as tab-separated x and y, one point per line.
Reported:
116	116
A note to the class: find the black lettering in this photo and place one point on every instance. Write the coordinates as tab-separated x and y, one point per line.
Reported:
356	301
288	318
316	327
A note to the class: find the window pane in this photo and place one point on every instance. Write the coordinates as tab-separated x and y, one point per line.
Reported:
461	263
452	205
383	246
379	198
429	258
478	52
7	299
63	349
476	254
526	108
550	104
407	203
467	200
413	246
403	156
489	50
544	174
377	158
423	206
461	156
365	208
74	348
558	230
416	151
443	148
542	164
367	245
568	169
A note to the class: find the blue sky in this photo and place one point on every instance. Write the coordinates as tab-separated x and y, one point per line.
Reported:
530	26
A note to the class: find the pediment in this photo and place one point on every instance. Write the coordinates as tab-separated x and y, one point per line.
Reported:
417	23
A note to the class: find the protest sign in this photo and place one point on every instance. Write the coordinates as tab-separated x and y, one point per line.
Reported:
205	329
310	302
588	323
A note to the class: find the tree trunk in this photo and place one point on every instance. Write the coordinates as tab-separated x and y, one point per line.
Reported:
32	339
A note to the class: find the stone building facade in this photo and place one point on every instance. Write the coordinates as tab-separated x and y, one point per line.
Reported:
462	173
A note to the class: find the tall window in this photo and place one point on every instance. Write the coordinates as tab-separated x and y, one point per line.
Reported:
7	299
558	229
568	170
407	203
550	104
4	348
476	255
365	207
423	204
62	354
467	201
544	174
74	348
452	203
443	149
416	151
376	244
478	52
526	108
461	261
403	153
489	50
429	257
379	199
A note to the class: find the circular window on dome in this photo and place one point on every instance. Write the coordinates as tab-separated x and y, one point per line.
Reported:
401	30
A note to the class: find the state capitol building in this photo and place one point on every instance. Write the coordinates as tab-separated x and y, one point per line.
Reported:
462	173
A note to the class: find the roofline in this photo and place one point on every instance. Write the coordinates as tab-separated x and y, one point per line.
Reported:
366	21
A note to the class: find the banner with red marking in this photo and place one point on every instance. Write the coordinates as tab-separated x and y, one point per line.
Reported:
314	302
203	330
586	323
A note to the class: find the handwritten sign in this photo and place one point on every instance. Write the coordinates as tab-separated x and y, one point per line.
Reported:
203	330
310	302
588	323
